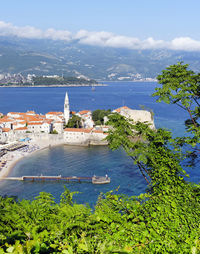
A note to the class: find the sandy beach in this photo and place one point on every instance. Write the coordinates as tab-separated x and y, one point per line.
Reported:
11	158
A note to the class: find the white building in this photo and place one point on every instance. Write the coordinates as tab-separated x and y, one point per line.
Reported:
84	136
58	126
143	116
39	127
66	109
6	122
86	118
76	135
56	116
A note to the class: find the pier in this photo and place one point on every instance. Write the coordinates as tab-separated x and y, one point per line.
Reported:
94	179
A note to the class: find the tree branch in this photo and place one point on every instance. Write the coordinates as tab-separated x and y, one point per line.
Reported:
189	111
141	170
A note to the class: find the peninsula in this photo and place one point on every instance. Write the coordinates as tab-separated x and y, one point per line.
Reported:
19	80
22	134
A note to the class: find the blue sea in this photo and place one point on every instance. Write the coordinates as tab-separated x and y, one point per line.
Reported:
86	161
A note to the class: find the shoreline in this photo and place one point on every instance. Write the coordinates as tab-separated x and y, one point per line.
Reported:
12	158
70	85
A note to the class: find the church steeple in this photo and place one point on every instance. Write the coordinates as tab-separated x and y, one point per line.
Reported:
66	108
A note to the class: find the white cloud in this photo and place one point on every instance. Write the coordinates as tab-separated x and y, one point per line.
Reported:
185	43
33	33
25	32
104	39
58	34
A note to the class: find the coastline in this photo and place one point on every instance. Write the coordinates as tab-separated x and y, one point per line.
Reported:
70	85
12	158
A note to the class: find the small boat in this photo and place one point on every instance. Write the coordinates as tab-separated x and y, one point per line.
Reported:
100	179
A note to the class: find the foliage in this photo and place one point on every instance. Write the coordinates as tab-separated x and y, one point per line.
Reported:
99	114
181	87
148	148
74	122
165	219
40	80
163	223
54	132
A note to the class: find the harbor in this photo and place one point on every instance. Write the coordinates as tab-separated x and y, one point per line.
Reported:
94	179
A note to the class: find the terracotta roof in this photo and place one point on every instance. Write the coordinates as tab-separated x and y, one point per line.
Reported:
34	123
54	113
6	129
97	131
13	113
102	132
20	118
119	109
21	128
78	130
83	112
33	119
6	119
22	122
30	112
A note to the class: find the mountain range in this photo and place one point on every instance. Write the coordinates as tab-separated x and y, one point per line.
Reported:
51	57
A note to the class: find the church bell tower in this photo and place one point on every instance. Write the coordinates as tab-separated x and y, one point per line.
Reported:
66	108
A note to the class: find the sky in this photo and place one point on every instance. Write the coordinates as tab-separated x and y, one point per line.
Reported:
135	24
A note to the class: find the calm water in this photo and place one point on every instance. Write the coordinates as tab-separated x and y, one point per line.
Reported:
83	161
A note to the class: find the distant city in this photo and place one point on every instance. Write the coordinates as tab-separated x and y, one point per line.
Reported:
32	79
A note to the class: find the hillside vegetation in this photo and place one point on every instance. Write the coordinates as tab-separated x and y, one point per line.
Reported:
165	219
48	57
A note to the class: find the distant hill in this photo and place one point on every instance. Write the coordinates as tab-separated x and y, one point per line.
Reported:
48	57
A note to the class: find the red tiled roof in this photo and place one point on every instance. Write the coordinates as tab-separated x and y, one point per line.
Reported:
33	119
78	130
21	128
5	129
30	112
22	122
98	131
5	119
83	112
13	113
20	118
54	113
119	109
34	123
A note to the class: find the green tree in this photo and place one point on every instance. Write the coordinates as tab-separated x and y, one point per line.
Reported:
181	86
54	132
159	158
99	114
74	122
165	219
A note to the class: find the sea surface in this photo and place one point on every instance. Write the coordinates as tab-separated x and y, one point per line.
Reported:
86	161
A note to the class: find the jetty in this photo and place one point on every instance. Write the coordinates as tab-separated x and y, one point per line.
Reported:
93	179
